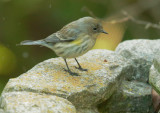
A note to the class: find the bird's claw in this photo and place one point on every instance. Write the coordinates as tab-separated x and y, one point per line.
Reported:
81	69
71	73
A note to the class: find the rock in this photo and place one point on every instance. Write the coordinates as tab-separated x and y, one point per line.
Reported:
154	76
154	80
105	73
156	62
140	54
132	97
87	110
1	111
28	102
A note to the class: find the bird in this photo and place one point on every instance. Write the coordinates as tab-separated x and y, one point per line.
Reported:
72	40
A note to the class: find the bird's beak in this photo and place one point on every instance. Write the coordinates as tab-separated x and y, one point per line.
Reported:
104	32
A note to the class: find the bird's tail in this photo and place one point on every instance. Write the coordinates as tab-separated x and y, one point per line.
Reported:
30	42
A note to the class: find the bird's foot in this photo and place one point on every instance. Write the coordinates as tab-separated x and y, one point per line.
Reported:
81	69
71	73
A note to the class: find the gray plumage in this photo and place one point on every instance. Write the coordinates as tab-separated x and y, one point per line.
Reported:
73	40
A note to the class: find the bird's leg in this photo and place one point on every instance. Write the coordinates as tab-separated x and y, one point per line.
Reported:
80	68
69	71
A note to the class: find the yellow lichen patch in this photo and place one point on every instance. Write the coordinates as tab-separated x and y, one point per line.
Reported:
54	79
19	102
130	89
69	109
59	74
73	82
91	66
101	83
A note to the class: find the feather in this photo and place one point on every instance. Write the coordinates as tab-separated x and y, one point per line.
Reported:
30	42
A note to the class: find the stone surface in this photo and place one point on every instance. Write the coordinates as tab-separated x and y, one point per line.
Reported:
154	76
1	111
28	102
140	54
156	62
105	73
87	110
132	97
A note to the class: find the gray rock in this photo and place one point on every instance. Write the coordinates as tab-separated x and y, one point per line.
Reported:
132	97
1	111
156	62
154	76
154	80
28	102
105	73
87	110
140	54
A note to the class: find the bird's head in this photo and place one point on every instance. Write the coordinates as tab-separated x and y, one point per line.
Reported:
91	26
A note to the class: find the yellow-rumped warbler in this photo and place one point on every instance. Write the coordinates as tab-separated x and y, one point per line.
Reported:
73	40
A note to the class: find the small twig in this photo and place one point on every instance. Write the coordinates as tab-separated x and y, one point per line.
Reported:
119	21
131	18
126	17
147	24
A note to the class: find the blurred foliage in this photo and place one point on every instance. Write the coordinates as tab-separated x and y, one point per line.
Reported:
7	61
110	41
36	19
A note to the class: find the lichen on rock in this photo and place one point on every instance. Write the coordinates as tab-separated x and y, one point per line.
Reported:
28	102
105	73
116	82
131	97
139	53
154	76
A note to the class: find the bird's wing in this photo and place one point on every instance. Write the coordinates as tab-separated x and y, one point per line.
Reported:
52	38
66	34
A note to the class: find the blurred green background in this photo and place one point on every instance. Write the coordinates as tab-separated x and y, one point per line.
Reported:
36	19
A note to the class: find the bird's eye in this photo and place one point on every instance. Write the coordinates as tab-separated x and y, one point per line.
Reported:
94	28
